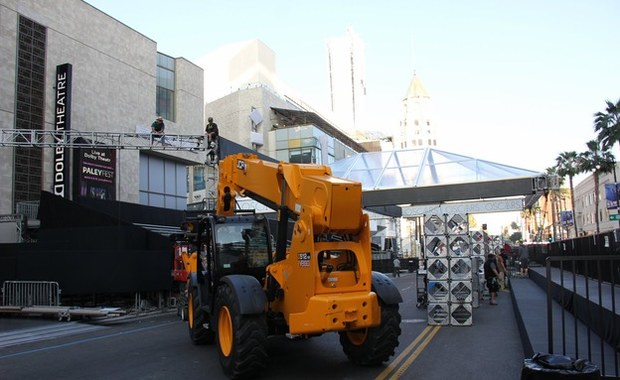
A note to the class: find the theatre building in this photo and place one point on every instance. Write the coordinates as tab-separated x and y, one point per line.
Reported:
66	67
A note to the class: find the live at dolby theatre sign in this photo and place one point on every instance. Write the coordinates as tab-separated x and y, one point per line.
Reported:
95	173
62	122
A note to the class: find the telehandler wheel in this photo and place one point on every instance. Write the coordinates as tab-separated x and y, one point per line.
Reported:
242	339
196	319
375	345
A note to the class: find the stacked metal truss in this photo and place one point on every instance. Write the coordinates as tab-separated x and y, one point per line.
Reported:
447	248
479	247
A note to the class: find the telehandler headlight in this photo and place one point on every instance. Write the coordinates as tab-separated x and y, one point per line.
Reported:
188	226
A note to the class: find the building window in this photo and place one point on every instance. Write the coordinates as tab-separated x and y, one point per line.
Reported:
29	107
165	87
308	144
199	178
163	183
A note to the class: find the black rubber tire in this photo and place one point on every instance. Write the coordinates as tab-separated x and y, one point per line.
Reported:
373	346
242	339
196	319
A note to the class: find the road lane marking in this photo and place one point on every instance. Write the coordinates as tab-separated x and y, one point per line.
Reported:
428	331
15	337
419	320
400	370
87	340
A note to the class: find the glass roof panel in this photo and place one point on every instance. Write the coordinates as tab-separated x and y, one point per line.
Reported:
444	174
340	167
411	157
366	177
402	168
439	157
392	178
372	160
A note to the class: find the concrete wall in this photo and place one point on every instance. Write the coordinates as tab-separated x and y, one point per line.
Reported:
8	57
232	114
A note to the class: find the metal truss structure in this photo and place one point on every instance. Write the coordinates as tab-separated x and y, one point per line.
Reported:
32	138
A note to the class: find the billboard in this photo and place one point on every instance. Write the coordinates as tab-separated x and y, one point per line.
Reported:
566	218
95	170
611	195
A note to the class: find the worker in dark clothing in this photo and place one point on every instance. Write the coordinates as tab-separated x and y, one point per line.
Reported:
491	275
212	133
524	258
158	128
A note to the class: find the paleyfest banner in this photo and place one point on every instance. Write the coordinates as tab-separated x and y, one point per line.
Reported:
96	173
611	195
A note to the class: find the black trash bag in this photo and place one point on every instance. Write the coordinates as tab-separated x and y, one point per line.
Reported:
550	366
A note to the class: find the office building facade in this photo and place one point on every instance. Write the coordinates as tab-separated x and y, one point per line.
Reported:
66	66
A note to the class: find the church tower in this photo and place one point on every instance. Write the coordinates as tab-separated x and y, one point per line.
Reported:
416	127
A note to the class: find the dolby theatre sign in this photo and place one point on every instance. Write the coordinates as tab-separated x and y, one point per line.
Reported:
62	122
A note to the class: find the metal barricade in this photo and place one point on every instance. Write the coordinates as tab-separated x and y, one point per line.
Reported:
30	293
580	288
28	208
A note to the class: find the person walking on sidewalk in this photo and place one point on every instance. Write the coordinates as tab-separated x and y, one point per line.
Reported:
501	269
524	259
491	275
396	267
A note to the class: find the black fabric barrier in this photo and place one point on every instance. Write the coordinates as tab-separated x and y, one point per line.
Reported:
89	272
88	251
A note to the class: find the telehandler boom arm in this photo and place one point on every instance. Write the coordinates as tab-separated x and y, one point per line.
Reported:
334	204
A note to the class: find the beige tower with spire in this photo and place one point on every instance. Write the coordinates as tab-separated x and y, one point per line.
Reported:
416	127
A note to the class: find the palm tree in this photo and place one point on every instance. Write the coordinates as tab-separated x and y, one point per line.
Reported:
597	161
567	165
554	195
607	124
530	221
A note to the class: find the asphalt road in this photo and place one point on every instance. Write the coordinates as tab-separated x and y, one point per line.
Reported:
158	347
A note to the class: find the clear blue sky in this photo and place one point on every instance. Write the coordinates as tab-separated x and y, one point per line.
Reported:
515	82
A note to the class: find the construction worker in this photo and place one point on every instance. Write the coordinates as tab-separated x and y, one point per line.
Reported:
212	133
158	129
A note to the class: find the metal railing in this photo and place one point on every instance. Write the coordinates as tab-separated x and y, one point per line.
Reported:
30	209
590	300
30	293
19	221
